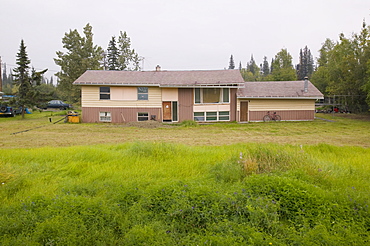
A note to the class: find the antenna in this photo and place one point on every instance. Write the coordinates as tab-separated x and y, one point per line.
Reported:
142	62
1	80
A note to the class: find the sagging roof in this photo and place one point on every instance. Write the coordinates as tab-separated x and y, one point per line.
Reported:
199	78
279	90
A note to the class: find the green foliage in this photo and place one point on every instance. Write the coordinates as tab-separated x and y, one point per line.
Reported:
167	194
112	54
81	55
231	62
127	58
252	72
282	67
305	66
27	85
189	123
344	70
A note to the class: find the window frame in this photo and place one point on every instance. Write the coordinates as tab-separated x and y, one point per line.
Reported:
212	116
103	93
108	116
142	116
142	93
224	95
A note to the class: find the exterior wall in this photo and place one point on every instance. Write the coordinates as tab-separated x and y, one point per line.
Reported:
211	107
233	104
288	109
285	115
119	115
170	94
123	93
185	104
90	98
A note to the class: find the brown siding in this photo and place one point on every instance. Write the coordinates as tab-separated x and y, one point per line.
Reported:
185	104
119	115
233	104
285	115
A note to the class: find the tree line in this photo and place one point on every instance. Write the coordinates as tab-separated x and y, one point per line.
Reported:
341	72
280	69
31	88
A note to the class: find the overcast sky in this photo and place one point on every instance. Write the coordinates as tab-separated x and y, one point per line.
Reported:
180	34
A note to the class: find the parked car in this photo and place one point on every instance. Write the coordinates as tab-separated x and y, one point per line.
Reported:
57	104
7	111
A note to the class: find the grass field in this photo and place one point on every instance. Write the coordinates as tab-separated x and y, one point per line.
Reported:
341	132
286	183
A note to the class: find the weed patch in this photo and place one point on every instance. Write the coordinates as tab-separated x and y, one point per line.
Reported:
171	194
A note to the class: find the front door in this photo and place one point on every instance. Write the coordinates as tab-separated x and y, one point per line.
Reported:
243	111
167	111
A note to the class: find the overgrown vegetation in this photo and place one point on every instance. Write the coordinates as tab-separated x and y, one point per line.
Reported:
170	194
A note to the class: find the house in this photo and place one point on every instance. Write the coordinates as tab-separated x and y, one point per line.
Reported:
203	95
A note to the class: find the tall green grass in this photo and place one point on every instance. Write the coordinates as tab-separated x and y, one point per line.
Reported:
169	194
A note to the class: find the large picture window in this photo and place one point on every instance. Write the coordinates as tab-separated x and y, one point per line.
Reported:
142	93
104	93
211	95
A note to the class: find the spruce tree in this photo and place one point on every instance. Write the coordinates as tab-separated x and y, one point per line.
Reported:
231	62
305	66
265	67
128	59
22	78
113	54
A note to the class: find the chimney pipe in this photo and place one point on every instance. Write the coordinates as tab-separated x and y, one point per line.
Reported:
305	89
158	68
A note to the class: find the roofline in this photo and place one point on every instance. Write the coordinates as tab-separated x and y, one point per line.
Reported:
277	97
229	85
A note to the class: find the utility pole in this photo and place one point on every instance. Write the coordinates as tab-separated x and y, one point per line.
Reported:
1	80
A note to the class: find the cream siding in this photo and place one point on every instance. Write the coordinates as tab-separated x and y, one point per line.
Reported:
90	98
123	93
170	94
211	108
282	104
278	104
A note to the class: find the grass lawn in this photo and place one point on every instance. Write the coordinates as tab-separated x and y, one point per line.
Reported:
339	131
277	183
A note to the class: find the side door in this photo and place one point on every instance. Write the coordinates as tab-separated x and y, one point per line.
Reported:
167	111
243	111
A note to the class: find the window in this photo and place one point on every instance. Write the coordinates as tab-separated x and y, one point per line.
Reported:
225	95
211	95
142	116
223	115
105	116
142	93
104	93
212	116
199	116
174	111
